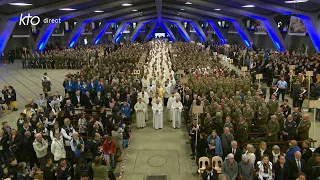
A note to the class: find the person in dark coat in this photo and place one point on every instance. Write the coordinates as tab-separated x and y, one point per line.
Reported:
202	146
280	168
48	172
12	96
306	151
64	170
226	139
296	165
46	86
4	150
313	167
28	153
77	99
210	174
236	151
87	102
5	93
260	152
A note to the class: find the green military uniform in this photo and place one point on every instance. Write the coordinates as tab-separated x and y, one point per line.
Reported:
218	121
226	111
208	125
230	126
273	106
248	115
273	128
263	115
303	129
296	116
280	118
242	132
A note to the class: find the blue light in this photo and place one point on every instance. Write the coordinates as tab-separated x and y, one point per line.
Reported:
6	32
121	31
313	34
181	31
203	39
167	31
273	35
137	32
46	35
77	34
72	43
218	33
242	34
155	27
103	30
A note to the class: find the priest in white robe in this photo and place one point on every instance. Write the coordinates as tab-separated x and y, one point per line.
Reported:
171	99
157	109
145	99
176	109
140	109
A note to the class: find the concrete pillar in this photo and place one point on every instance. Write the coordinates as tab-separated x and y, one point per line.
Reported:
217	31
102	29
137	30
151	31
274	33
183	31
76	32
119	31
6	28
44	36
199	30
313	28
243	32
167	29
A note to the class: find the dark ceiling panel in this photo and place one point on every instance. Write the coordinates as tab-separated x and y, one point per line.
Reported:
306	6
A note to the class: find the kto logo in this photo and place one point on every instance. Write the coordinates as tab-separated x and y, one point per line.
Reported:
35	20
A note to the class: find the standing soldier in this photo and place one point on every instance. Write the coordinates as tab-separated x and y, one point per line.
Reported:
289	129
218	119
242	131
280	118
263	114
236	115
273	104
297	116
24	61
296	86
303	128
248	114
229	124
273	129
208	122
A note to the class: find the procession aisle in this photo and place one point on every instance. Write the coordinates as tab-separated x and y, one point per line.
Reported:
159	152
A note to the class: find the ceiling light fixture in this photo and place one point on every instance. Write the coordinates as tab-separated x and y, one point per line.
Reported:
188	2
182	9
248	6
126	4
217	9
67	9
295	1
134	10
98	11
20	4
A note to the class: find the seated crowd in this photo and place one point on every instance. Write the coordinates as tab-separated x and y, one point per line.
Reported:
85	131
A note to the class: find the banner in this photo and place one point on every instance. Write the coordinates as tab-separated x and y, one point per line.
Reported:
87	29
259	28
297	27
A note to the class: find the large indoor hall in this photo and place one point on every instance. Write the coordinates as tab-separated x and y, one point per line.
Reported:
160	90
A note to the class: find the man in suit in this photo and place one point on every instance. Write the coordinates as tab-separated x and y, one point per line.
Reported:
237	152
77	99
296	165
87	101
99	101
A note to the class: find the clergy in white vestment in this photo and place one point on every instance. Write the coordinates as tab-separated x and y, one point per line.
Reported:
171	99
145	99
155	98
157	109
176	109
140	109
167	92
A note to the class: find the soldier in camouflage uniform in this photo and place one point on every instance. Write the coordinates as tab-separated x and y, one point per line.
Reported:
280	118
273	104
272	129
248	114
229	124
242	131
303	128
218	122
208	124
263	114
296	114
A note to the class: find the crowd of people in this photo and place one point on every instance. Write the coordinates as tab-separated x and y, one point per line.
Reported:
81	134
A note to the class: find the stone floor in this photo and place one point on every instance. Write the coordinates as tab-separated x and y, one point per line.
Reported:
152	152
